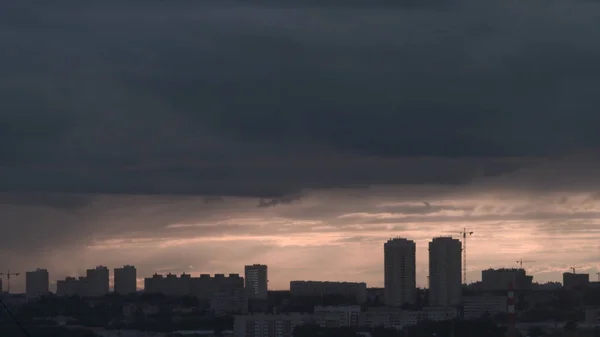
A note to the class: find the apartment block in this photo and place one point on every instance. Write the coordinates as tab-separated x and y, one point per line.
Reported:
400	272
229	301
499	279
573	281
202	287
125	281
256	281
37	283
445	266
338	316
265	325
477	306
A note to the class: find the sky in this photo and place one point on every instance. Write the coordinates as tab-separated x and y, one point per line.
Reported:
200	136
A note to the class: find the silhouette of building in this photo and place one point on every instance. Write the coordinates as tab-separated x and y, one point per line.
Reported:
265	325
125	280
71	286
400	272
97	281
573	281
256	281
445	279
323	288
499	279
203	287
37	283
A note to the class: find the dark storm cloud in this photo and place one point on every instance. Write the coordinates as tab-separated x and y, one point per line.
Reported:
57	200
265	100
285	200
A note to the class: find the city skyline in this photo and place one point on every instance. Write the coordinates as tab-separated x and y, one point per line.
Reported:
448	264
231	134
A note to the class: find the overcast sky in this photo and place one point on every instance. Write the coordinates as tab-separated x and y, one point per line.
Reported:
201	136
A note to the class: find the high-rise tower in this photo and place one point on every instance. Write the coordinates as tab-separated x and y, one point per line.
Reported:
400	272
445	267
125	280
256	281
37	283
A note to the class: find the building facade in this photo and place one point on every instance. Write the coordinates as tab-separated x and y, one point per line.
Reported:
445	283
37	283
71	286
499	279
338	316
256	281
125	280
477	306
574	281
400	272
98	281
202	287
265	325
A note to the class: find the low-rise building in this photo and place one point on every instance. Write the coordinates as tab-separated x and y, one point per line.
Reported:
477	306
390	317
265	325
229	301
440	313
338	316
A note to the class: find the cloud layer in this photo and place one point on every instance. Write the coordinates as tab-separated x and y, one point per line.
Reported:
264	99
326	126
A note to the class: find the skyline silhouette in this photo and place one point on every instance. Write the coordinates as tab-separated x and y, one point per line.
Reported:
284	284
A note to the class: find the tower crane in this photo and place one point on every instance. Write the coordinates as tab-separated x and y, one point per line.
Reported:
465	234
8	274
521	261
573	269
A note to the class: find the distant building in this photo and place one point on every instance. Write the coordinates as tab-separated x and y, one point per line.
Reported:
71	286
202	287
264	325
98	281
37	283
573	281
338	316
256	281
400	272
477	306
499	279
357	290
125	280
229	301
390	317
437	314
445	280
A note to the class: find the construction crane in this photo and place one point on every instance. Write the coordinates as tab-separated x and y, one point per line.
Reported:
521	261
8	274
573	269
465	234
